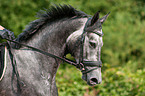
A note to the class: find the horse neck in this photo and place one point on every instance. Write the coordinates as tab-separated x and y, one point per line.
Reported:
52	38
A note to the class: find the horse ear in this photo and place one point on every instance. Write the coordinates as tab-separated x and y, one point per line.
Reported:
95	18
102	20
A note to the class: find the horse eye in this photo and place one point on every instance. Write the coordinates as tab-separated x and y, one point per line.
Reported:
92	44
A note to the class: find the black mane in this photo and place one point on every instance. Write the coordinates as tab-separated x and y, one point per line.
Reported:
54	13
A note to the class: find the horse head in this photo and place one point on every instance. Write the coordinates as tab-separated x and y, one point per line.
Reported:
90	48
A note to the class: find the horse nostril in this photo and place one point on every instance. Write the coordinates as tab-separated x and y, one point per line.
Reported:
93	81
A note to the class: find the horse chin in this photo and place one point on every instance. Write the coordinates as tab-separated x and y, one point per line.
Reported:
91	84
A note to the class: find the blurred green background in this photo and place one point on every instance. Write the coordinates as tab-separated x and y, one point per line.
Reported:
123	53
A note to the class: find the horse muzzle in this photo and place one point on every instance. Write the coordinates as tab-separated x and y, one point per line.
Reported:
93	77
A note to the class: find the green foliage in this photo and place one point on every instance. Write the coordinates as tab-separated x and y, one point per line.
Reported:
118	81
16	14
122	53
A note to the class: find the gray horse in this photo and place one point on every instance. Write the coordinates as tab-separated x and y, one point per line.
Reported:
58	31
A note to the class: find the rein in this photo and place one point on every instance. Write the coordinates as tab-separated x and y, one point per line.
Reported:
81	64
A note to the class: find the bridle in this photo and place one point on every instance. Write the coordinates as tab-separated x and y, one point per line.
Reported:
81	64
